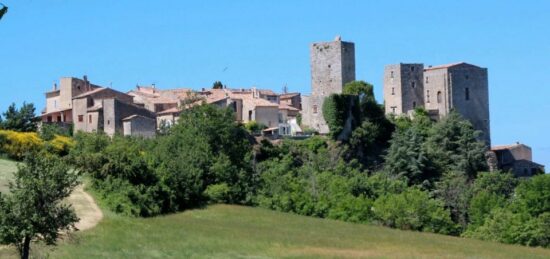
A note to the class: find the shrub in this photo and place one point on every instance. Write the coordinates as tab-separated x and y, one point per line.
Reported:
217	193
414	210
254	127
534	194
17	144
60	145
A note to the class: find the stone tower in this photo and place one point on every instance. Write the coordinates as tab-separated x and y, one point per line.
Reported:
403	88
332	66
460	87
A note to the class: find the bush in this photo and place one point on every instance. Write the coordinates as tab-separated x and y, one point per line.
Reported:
17	144
534	194
414	210
60	145
217	193
254	127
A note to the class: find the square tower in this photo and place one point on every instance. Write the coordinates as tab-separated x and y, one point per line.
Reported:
332	66
403	88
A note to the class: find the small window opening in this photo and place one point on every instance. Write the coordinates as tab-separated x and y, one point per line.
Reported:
413	84
315	109
391	74
428	96
414	105
90	118
412	69
439	97
80	118
427	80
392	91
467	92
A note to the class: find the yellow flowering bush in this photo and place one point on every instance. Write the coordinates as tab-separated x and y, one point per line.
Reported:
16	144
60	145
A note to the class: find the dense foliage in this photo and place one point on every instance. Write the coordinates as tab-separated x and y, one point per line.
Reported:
407	173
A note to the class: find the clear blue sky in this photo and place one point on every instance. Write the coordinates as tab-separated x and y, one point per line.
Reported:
266	44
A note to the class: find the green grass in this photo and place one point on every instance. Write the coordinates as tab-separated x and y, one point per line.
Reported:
224	231
7	168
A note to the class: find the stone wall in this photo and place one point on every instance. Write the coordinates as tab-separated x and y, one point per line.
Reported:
332	66
140	126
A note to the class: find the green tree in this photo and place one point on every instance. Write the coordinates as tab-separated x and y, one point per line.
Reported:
453	145
23	119
455	191
217	85
34	210
534	194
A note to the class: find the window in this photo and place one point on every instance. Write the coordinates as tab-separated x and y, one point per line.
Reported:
412	69
392	91
89	118
249	115
49	118
329	66
413	84
393	109
80	118
414	105
58	118
391	74
439	97
108	122
314	109
427	80
428	96
467	92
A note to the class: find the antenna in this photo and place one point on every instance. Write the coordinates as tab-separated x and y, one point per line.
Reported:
285	89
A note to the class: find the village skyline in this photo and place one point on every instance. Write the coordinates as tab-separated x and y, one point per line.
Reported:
175	48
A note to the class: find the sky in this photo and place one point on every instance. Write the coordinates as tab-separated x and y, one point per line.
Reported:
266	44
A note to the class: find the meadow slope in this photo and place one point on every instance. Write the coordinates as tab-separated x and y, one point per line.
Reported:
227	231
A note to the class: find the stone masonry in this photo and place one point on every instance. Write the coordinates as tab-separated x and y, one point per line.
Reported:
460	87
332	66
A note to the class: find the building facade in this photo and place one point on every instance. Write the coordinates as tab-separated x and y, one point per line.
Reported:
461	87
332	66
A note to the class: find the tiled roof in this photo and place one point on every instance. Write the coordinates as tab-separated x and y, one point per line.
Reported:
135	116
96	107
169	111
97	90
447	66
504	147
288	95
284	106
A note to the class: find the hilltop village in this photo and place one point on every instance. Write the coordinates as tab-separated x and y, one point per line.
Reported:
143	111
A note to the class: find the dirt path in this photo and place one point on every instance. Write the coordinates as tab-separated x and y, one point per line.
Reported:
86	209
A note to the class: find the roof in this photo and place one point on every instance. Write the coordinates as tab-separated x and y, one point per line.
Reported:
169	111
288	95
96	107
284	106
97	90
505	147
270	129
131	117
56	111
266	92
448	66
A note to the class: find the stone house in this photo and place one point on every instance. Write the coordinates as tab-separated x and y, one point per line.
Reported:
516	158
103	110
461	87
291	99
138	125
59	103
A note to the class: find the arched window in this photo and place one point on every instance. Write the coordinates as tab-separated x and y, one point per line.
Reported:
438	96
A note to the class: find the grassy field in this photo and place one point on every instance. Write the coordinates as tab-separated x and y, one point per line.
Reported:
224	231
6	173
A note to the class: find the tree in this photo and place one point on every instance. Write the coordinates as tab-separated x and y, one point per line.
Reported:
217	85
3	11
453	145
23	119
34	209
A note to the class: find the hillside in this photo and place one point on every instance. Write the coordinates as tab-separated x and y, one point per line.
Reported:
223	231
